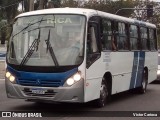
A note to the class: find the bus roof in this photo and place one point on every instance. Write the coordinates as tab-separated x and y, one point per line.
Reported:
86	12
66	10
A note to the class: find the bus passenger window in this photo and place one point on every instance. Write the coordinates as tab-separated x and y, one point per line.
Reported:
113	43
92	47
108	36
122	37
92	40
152	39
133	37
144	38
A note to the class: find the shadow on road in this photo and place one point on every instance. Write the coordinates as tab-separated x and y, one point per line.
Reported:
73	107
156	82
58	109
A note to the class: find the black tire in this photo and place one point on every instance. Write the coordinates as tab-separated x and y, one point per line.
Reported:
142	89
104	94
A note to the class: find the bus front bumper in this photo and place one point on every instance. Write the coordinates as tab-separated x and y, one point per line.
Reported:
74	93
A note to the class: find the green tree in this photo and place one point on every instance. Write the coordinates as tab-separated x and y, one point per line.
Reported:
103	5
112	6
70	3
142	14
7	12
57	3
25	5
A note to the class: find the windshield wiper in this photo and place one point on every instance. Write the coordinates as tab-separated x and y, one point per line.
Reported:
40	27
30	24
26	28
31	49
50	48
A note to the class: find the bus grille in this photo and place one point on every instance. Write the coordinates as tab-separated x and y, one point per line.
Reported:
38	82
48	93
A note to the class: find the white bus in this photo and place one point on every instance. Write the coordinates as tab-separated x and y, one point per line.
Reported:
79	55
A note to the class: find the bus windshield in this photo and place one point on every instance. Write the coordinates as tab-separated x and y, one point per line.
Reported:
47	40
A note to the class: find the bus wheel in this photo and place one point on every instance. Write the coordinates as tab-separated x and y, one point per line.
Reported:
104	93
142	89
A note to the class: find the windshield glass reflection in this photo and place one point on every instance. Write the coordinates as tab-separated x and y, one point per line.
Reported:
47	40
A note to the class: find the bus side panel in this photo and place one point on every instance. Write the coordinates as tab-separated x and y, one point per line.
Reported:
93	80
126	69
119	64
152	63
121	67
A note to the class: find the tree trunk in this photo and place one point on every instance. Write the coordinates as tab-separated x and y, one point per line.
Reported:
26	5
31	5
3	36
41	4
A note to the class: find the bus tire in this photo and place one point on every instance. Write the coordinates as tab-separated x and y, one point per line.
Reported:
104	94
142	89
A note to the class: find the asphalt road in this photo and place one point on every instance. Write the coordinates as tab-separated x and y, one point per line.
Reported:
127	101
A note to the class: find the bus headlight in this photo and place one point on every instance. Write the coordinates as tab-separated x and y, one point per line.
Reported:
10	77
158	72
70	81
75	78
8	74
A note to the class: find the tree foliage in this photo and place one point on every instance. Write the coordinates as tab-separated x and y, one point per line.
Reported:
9	9
102	5
9	12
142	14
110	6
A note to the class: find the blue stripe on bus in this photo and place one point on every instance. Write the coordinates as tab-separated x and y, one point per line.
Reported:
140	68
137	69
134	69
2	54
41	79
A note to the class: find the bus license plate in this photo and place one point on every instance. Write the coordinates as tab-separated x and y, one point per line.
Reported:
38	91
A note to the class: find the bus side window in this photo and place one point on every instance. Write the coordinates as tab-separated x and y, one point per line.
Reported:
133	30
144	38
152	39
92	40
108	37
92	46
122	41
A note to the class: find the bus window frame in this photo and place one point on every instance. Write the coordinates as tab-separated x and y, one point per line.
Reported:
127	41
155	37
148	44
93	56
138	39
111	35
